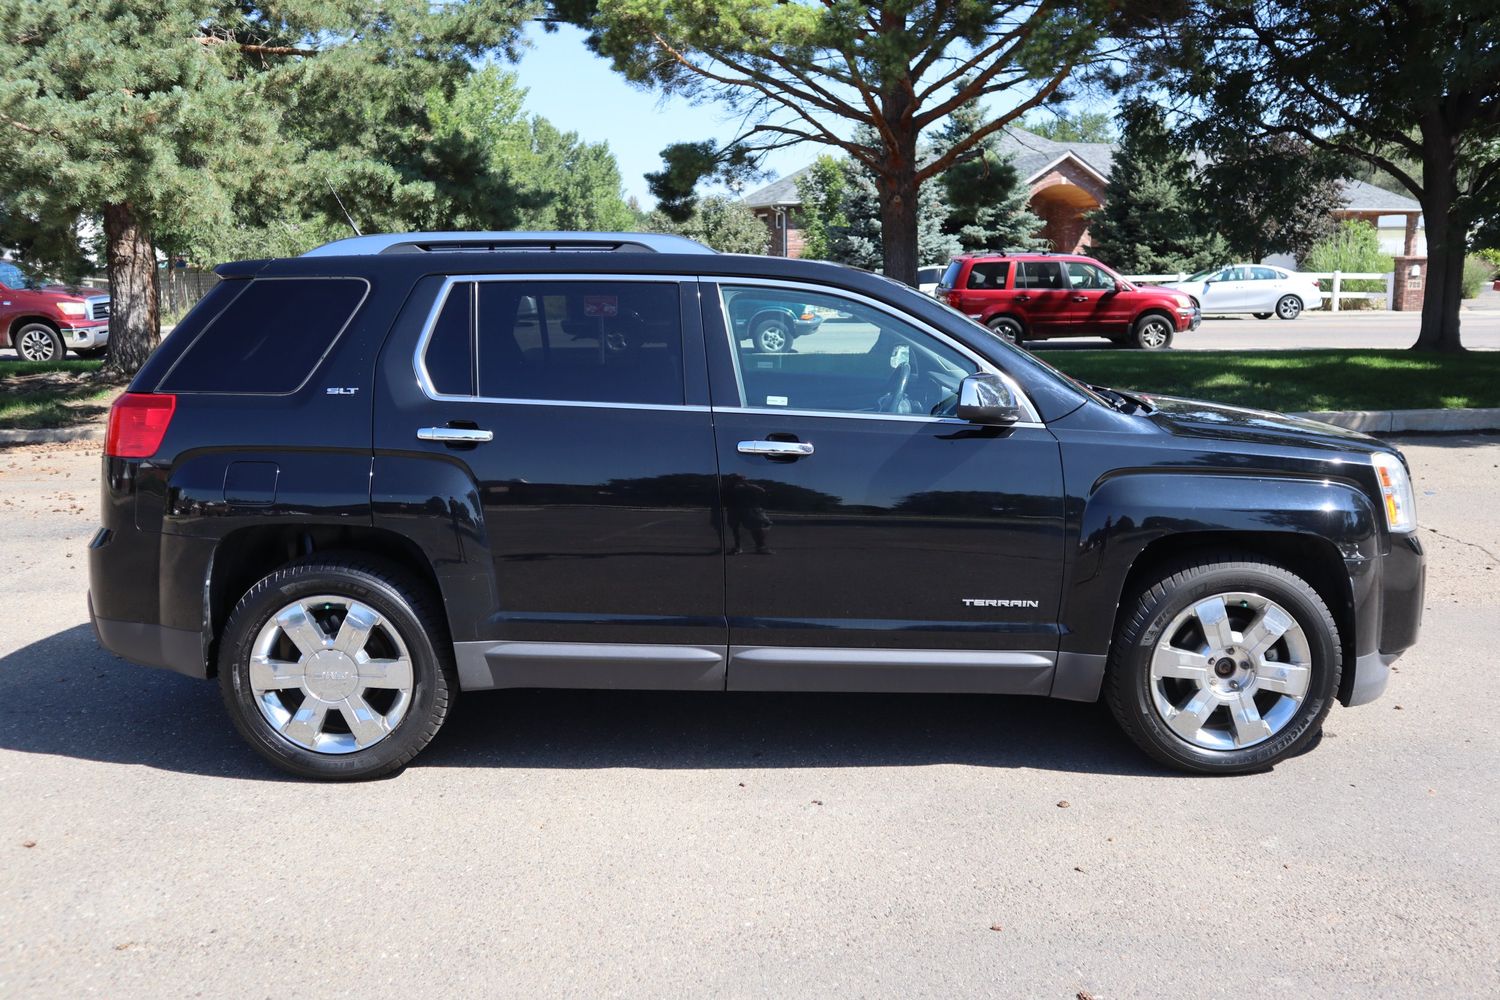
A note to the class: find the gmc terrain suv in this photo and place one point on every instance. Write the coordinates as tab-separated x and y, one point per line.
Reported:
43	322
1035	296
352	484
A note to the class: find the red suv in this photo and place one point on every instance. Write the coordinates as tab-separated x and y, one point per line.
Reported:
1033	296
43	322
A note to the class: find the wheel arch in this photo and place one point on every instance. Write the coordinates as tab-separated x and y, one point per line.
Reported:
248	554
24	320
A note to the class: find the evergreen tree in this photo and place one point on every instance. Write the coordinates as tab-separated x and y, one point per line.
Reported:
989	205
1153	218
1269	196
860	243
187	121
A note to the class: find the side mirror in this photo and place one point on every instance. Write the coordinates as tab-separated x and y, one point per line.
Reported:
986	399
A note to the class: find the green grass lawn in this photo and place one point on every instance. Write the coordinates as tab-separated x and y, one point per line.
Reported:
1297	380
51	393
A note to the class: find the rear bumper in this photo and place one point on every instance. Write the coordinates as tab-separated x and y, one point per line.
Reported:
175	649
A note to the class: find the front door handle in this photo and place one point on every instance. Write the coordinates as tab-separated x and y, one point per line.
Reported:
455	435
1022	298
777	449
1080	298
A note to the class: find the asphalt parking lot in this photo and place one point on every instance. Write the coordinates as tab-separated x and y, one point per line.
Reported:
639	845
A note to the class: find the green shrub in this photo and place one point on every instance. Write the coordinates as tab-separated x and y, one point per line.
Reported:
1478	272
1353	246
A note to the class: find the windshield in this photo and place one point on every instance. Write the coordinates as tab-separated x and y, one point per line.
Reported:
12	275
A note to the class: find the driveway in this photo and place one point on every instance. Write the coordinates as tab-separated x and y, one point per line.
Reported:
669	845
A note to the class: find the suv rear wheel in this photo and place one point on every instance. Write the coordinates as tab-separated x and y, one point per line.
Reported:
38	342
1224	666
1006	328
337	668
1152	332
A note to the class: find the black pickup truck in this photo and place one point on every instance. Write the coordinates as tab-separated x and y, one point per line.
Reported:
351	484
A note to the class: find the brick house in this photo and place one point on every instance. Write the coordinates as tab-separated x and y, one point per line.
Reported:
1067	181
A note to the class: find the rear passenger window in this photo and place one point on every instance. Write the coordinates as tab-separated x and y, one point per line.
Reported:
989	274
589	341
450	347
1040	274
268	340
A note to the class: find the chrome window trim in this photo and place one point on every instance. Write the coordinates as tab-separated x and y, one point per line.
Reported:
419	356
920	418
984	364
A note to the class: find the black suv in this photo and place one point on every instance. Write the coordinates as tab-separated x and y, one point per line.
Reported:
353	483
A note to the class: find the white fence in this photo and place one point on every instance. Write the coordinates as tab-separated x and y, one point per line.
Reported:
1331	282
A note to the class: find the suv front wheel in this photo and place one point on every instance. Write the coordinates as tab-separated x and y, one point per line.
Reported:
1152	332
1223	667
337	668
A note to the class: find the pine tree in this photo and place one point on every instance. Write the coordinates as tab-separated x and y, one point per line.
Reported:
989	205
821	192
859	243
1153	220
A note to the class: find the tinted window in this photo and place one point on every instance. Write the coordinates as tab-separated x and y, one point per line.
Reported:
1265	274
950	276
269	338
989	274
450	348
591	341
11	275
1040	274
850	361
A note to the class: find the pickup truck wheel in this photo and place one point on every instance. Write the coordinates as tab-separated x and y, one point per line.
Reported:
1006	329
337	668
38	342
772	336
1288	307
1152	332
1224	667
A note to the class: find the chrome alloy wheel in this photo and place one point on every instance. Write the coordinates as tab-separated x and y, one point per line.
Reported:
1154	332
37	344
331	675
1289	307
771	338
1230	671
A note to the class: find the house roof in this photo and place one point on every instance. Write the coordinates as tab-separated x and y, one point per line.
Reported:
781	192
1034	155
1362	197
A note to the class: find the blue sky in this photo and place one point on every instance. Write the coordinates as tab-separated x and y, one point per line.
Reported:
579	92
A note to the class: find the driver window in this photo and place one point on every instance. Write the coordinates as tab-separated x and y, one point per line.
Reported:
1087	276
812	351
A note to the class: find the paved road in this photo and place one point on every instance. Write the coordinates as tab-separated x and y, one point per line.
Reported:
640	845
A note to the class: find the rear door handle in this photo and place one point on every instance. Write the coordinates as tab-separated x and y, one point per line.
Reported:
455	435
1022	298
779	449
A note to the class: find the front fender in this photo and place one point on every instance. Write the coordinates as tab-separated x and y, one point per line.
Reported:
1129	511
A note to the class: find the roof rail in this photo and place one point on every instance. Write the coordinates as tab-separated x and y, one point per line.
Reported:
383	243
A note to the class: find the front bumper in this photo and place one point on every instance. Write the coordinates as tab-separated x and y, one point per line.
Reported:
1394	607
86	335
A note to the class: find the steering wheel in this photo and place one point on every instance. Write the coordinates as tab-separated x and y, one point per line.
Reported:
895	399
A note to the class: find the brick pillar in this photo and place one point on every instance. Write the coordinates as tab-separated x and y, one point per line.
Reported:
1407	288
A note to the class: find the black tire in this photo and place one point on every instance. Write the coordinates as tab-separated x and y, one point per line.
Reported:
1007	328
772	336
1146	614
92	353
1288	307
1262	315
38	342
417	616
1152	332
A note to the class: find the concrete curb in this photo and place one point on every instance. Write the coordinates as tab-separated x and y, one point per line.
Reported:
1420	421
52	435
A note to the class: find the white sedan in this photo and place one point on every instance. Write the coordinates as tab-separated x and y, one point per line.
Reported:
929	276
1252	288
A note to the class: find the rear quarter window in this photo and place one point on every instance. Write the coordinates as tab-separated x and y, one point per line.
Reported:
989	275
268	338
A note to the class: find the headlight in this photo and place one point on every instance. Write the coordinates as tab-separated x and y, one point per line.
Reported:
1395	491
73	308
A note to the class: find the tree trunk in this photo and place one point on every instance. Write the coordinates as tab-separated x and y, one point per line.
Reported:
134	320
897	186
1447	241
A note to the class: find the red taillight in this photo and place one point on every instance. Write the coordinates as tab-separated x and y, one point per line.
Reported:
954	299
137	423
